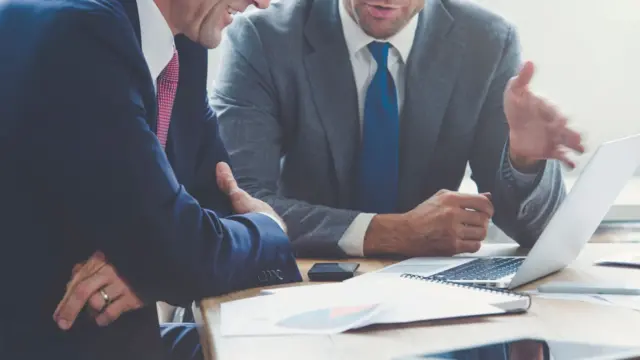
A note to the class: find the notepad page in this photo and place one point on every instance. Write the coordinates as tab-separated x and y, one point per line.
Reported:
423	287
333	308
397	288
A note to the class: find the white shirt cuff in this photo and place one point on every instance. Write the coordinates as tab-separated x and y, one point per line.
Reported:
274	219
352	241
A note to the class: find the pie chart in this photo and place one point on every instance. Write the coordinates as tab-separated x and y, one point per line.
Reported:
328	318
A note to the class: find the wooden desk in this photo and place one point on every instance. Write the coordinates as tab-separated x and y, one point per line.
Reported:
556	319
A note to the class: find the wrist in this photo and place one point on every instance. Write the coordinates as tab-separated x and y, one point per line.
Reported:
384	236
277	219
523	164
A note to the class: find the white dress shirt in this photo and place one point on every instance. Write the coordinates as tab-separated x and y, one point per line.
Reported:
156	38
157	48
364	68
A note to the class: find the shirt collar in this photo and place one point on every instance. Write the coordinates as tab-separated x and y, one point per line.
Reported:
356	38
156	37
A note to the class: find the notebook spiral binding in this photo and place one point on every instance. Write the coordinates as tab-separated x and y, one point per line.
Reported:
476	287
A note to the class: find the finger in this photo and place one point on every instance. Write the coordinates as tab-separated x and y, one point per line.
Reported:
117	308
88	269
487	195
572	139
464	246
557	126
561	155
562	135
555	131
473	233
93	265
549	112
68	310
474	202
474	218
224	177
522	80
242	202
114	291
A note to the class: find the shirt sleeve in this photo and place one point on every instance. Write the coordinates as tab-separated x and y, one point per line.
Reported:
277	221
352	241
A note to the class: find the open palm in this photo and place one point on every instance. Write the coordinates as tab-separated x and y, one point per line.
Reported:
537	130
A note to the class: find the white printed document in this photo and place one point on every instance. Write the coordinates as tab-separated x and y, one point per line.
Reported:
335	308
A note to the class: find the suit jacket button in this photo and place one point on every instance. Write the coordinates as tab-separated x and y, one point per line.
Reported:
279	275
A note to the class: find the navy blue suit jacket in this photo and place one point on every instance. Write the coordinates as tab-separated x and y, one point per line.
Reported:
82	170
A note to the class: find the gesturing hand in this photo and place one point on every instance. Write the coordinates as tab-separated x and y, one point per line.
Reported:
537	130
241	201
97	284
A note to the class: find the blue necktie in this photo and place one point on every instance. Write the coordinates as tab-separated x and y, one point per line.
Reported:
377	189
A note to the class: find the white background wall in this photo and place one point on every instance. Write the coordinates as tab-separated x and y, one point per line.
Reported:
587	54
588	58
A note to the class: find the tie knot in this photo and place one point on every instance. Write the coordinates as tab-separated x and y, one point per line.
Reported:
379	51
172	70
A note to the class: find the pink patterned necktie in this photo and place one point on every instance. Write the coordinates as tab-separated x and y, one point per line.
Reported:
167	87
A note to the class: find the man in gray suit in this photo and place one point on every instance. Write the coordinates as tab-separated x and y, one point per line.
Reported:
356	119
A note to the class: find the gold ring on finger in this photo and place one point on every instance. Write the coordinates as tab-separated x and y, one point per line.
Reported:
106	298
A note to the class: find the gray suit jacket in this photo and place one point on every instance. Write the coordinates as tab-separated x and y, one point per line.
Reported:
287	106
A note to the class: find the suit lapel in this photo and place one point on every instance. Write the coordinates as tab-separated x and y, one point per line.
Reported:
334	92
131	10
430	75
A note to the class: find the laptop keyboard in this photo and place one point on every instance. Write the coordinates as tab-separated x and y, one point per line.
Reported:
482	269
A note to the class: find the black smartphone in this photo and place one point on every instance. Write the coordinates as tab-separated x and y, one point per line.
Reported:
332	271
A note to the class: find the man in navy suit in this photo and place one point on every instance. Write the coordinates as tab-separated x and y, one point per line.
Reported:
108	146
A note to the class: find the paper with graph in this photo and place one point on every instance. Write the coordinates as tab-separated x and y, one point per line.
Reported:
335	308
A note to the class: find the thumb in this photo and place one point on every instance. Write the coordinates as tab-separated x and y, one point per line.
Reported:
522	80
224	177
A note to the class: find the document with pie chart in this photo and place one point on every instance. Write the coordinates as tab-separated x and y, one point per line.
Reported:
336	308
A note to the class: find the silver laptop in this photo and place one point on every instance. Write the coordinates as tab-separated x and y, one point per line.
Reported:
572	225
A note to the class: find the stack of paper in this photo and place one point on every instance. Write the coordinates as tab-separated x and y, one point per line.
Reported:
335	308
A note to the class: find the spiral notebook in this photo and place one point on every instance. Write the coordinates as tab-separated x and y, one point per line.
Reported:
507	300
337	307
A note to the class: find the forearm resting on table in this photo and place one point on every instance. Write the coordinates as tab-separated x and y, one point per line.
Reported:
385	235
